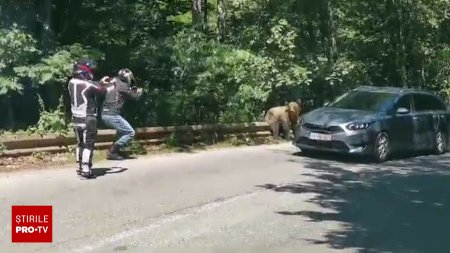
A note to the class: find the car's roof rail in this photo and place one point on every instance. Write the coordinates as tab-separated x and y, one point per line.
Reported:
392	89
380	88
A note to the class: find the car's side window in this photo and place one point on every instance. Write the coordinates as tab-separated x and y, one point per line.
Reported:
436	104
420	103
404	102
423	102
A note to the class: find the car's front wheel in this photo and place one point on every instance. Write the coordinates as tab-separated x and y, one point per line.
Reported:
382	147
440	144
307	152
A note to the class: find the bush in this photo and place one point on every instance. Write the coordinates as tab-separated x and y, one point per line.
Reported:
136	148
172	141
51	121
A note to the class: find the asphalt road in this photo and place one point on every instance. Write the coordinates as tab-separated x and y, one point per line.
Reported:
251	199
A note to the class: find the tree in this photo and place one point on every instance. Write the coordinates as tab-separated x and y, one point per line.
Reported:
16	49
221	20
200	13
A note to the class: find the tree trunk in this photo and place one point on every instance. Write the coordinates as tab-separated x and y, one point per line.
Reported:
221	20
401	44
199	13
331	45
205	14
43	32
422	73
10	119
332	48
403	73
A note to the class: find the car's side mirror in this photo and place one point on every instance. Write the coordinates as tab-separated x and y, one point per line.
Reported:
402	110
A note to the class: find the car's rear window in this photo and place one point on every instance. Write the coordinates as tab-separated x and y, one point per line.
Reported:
365	100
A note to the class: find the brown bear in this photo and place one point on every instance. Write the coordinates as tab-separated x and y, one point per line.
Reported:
285	117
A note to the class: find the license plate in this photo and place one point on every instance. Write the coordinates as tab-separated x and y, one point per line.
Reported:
320	137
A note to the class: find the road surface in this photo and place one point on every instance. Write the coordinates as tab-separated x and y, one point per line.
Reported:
239	200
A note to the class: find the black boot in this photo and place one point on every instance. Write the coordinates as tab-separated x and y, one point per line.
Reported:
125	154
113	154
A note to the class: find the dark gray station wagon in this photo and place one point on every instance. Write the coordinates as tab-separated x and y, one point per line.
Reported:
377	121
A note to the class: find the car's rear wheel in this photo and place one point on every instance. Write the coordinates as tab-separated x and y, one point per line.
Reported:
382	147
440	145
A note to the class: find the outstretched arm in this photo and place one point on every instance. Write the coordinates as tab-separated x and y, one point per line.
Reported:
100	86
129	93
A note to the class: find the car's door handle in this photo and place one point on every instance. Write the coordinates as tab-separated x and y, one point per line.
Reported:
416	118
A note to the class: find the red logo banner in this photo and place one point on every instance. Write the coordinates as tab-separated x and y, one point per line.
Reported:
32	224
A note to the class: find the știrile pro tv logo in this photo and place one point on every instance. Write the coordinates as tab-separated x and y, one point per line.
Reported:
32	224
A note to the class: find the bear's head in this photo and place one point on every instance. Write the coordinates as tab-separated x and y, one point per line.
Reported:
294	110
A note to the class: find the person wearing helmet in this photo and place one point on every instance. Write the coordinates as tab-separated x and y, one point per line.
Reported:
120	89
86	97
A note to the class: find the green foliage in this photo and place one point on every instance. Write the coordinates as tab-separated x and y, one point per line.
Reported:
9	84
229	84
51	121
282	38
136	148
57	67
270	52
17	48
185	18
172	141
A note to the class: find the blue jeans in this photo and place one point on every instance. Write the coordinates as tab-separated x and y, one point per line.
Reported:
125	133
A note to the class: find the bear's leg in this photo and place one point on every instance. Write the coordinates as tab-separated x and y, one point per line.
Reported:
275	129
286	129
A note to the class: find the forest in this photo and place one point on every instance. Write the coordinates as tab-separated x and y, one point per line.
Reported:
215	61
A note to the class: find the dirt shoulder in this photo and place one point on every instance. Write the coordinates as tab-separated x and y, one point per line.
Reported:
63	160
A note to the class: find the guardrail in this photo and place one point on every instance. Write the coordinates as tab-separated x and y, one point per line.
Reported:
149	135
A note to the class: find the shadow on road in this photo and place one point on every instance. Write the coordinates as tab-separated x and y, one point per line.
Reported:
334	157
98	172
400	206
359	159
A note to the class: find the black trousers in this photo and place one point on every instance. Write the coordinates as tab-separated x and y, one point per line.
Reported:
85	133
